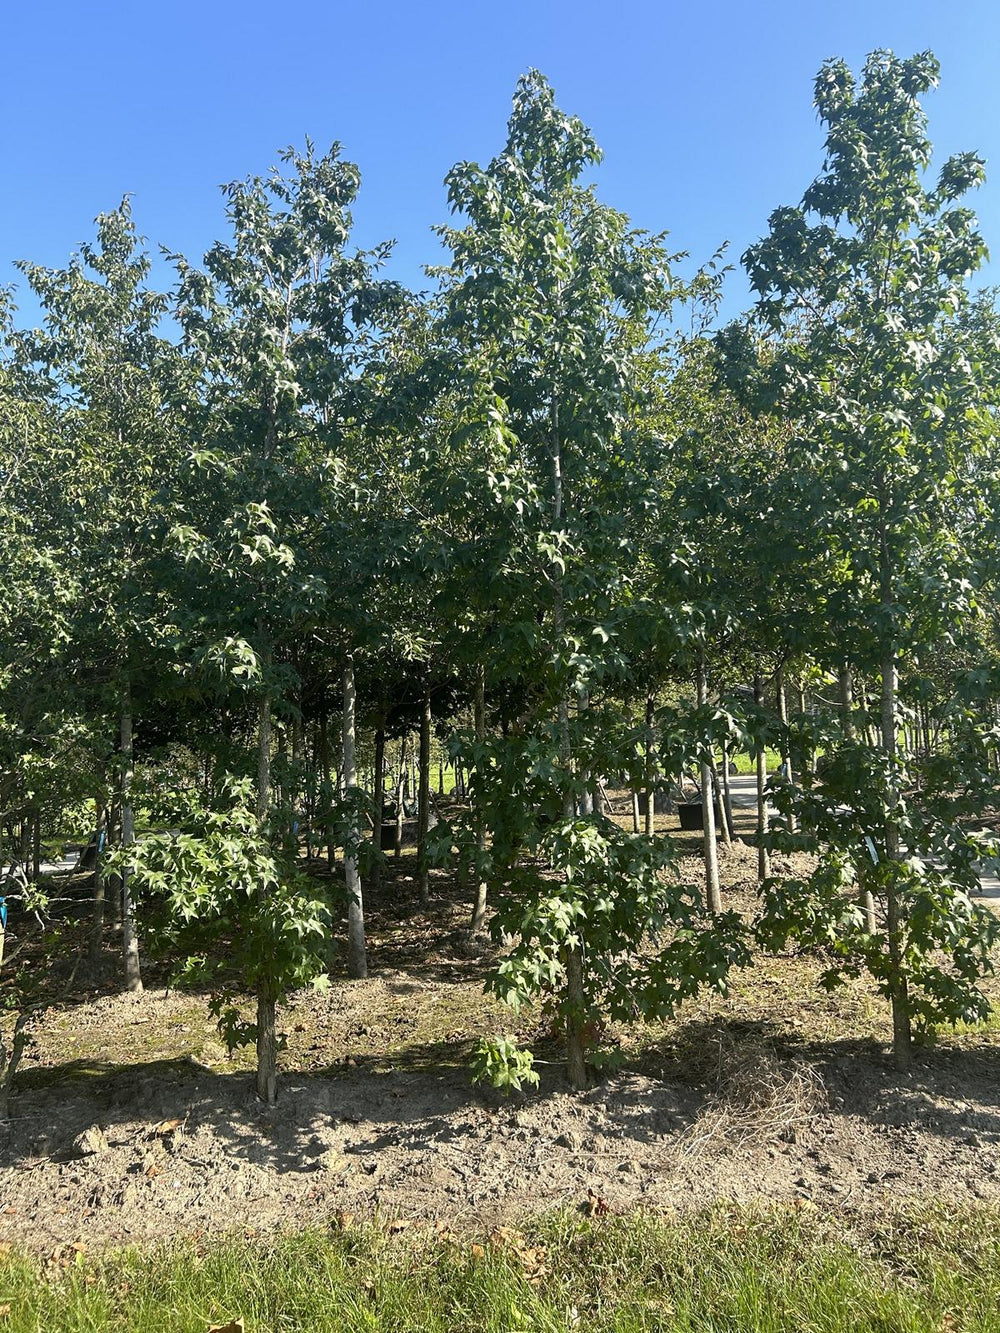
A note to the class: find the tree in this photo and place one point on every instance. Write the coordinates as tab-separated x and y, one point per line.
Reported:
550	299
269	328
864	281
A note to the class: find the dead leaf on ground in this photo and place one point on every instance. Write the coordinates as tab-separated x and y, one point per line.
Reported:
531	1257
164	1128
596	1205
5	1309
234	1326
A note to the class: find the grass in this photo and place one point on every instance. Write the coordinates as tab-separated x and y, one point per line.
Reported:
732	1270
746	763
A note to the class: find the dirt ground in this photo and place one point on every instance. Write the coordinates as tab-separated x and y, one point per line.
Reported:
131	1123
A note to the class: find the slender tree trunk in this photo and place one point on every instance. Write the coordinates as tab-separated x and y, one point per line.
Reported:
786	752
400	795
713	891
36	844
727	795
357	961
725	833
479	714
130	941
650	769
424	796
898	989
97	910
267	1043
635	810
901	1032
866	900
576	1063
378	790
326	788
114	881
760	767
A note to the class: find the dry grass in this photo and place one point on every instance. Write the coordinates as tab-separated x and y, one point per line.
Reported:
756	1098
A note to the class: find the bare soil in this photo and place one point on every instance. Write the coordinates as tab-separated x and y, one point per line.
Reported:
778	1091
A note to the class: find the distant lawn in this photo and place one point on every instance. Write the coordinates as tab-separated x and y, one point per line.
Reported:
733	1270
745	763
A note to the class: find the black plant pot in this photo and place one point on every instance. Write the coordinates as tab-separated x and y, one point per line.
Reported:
692	814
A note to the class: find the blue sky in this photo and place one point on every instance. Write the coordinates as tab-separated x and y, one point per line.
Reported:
704	111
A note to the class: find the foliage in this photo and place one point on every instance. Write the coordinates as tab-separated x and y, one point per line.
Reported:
221	899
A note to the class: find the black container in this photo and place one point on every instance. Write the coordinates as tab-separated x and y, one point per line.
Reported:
692	814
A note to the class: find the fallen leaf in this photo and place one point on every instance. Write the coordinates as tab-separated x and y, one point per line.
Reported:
477	1251
5	1310
234	1326
164	1128
343	1220
596	1206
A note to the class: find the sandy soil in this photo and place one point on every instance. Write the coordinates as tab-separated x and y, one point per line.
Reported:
180	1148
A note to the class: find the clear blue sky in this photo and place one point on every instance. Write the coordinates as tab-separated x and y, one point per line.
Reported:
704	111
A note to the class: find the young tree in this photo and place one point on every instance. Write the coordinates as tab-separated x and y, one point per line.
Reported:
550	299
864	281
270	327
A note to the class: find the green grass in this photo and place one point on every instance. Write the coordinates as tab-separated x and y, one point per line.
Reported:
733	1270
745	763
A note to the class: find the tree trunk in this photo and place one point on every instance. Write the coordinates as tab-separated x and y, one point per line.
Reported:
725	832
114	881
786	752
424	796
36	844
760	766
587	795
713	892
650	770
866	900
400	794
97	910
727	795
378	791
576	1055
576	1064
130	941
267	1046
635	811
901	1033
357	961
326	790
479	714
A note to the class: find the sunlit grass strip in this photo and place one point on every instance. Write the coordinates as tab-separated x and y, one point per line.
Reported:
731	1270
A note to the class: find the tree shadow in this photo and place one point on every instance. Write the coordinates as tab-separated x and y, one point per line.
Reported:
949	1092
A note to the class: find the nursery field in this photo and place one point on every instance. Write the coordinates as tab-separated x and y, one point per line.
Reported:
499	784
132	1122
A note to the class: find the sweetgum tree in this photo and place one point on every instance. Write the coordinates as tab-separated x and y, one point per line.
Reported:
865	281
551	299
